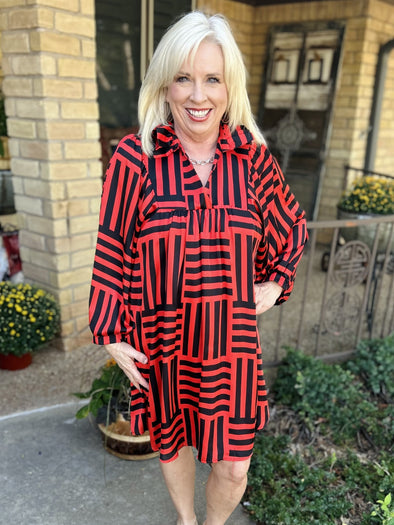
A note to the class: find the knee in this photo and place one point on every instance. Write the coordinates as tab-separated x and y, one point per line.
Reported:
232	471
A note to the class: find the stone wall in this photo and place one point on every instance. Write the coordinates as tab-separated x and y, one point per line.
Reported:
51	103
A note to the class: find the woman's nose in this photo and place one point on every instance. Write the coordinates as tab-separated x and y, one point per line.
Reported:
198	92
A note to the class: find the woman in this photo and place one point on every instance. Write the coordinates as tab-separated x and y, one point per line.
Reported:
197	234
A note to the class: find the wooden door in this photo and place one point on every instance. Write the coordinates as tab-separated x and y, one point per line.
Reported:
296	103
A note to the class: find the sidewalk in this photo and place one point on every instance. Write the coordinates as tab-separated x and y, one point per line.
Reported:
55	471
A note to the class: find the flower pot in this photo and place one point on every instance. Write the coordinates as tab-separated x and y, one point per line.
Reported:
15	362
119	441
365	234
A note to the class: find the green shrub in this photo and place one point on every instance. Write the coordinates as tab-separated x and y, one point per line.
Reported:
369	480
329	398
374	364
339	402
283	489
384	511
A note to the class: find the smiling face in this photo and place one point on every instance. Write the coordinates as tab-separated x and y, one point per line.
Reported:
198	95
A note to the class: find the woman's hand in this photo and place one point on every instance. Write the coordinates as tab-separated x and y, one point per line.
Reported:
266	295
125	355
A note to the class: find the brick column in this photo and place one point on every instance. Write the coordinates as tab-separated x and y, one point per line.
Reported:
51	104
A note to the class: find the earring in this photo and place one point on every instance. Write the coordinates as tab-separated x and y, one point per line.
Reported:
225	118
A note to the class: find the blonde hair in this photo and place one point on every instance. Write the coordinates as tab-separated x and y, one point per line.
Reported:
179	42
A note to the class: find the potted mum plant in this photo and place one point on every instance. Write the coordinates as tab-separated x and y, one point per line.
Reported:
109	403
29	318
368	197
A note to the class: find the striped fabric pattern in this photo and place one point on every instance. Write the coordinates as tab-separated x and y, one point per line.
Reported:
174	276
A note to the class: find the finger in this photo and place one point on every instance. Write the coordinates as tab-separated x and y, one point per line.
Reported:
138	377
135	376
139	356
138	381
124	354
132	372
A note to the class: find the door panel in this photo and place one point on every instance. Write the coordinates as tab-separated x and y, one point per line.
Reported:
295	113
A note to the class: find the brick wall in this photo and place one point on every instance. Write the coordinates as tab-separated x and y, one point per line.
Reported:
369	24
51	102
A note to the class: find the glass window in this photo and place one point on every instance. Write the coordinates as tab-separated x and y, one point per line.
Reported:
119	31
118	61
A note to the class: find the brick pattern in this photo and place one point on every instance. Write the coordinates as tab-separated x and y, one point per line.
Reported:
369	24
50	84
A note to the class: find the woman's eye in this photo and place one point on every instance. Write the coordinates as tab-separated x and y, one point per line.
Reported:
181	79
213	80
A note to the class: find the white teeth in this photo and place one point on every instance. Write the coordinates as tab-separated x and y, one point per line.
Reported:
198	113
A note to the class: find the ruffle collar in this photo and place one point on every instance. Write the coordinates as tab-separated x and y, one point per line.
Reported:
166	141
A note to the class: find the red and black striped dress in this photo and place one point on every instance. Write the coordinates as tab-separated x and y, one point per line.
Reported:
174	276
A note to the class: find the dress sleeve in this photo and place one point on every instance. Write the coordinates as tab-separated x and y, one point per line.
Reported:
284	232
110	319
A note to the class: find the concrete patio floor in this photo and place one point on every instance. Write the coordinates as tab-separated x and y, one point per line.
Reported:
54	469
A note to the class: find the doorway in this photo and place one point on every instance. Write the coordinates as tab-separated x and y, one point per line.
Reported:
296	103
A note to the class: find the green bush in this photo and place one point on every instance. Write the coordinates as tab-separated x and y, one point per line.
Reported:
332	403
384	511
374	364
368	480
329	398
283	489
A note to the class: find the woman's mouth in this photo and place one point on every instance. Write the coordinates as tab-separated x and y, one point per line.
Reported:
198	114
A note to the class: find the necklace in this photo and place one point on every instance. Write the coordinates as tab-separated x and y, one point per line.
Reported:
202	162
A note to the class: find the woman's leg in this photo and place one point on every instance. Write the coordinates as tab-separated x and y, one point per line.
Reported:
179	477
225	487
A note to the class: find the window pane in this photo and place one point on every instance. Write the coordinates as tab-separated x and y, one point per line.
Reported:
166	12
118	24
118	61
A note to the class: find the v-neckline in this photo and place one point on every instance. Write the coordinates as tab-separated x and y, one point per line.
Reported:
206	185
